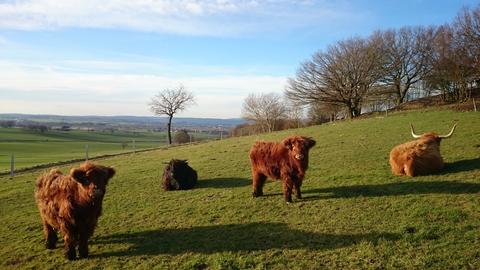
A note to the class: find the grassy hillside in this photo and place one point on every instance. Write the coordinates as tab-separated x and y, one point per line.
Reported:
34	148
354	215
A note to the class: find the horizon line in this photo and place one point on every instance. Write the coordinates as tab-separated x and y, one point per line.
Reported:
87	115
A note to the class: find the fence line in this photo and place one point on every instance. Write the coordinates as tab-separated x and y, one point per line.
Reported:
99	157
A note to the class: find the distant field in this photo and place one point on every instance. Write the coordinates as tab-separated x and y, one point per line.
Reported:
354	215
34	148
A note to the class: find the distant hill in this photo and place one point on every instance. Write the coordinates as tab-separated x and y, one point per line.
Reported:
124	121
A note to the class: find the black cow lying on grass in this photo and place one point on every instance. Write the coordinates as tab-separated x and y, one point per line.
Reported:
178	175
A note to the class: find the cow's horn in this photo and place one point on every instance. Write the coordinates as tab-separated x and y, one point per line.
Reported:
413	132
449	134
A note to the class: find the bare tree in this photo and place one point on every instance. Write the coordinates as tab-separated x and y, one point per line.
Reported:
169	102
182	136
467	24
454	67
407	57
319	113
342	75
264	109
294	113
456	56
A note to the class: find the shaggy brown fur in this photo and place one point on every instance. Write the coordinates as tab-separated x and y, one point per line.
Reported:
287	161
72	204
178	175
418	157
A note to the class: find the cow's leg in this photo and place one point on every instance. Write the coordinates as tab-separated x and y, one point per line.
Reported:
69	241
50	235
297	184
409	167
83	244
287	185
258	182
396	169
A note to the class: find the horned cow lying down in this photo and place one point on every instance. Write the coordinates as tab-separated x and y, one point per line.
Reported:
419	157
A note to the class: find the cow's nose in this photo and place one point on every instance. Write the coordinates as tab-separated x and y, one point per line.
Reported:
299	156
97	193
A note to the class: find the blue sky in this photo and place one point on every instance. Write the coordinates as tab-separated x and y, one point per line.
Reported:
110	57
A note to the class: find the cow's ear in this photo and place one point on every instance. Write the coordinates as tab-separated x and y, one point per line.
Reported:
79	175
311	142
111	172
288	143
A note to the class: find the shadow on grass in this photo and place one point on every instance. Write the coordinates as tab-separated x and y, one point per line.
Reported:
223	183
234	238
396	189
461	166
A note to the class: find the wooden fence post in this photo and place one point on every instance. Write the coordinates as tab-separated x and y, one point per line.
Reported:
86	152
474	105
12	166
134	147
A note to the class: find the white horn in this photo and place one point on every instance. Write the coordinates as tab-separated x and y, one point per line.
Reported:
416	136
449	134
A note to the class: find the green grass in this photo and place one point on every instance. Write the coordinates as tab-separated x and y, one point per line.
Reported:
355	214
34	148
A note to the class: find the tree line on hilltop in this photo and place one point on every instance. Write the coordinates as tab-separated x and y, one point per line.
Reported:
374	73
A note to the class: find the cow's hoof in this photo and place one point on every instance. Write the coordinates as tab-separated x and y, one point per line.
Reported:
71	255
257	194
83	253
50	245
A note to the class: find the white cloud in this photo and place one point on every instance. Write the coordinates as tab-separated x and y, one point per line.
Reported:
46	89
194	17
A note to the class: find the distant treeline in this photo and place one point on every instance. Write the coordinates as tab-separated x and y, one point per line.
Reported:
375	73
393	66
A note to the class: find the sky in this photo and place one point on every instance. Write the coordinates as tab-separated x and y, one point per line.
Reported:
110	57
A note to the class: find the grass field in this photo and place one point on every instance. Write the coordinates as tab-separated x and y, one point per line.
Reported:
355	214
34	148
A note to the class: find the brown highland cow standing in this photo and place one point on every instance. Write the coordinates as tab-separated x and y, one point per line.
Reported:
287	161
72	204
418	157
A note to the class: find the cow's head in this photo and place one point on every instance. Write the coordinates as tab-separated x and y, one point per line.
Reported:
432	135
178	164
94	178
299	146
172	172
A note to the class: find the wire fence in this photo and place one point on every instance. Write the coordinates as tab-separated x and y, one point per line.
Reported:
16	155
21	156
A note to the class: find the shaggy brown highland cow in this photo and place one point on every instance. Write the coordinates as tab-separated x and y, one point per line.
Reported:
287	161
418	157
72	204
